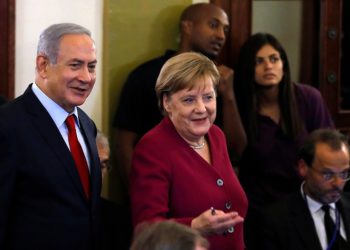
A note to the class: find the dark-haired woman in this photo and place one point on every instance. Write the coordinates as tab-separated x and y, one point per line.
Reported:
277	114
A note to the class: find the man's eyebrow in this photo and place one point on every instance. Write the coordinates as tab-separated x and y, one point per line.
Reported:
76	60
82	61
92	62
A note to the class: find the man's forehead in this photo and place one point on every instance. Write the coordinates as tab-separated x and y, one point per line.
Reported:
203	11
212	14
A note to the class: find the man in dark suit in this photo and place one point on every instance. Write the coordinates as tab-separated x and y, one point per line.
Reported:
48	198
298	221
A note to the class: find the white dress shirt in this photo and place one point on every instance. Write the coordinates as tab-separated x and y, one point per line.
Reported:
317	213
59	116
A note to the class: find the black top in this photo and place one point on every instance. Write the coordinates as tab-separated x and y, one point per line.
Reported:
138	109
116	228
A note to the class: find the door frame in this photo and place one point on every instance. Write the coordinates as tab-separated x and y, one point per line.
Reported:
7	48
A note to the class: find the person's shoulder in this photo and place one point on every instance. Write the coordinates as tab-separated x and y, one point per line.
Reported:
155	135
154	63
216	129
8	113
345	202
14	109
86	119
83	115
308	95
346	197
307	90
216	132
161	137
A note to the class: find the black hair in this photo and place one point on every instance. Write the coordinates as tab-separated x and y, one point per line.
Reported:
246	89
333	138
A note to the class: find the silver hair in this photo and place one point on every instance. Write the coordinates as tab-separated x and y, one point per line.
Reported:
50	38
102	140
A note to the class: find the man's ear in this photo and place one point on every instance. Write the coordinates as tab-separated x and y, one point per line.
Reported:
187	27
42	63
302	168
166	103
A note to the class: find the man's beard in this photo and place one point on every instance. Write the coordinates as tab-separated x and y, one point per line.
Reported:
211	56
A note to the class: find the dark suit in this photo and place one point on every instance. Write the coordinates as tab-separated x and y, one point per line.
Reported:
42	203
288	224
116	226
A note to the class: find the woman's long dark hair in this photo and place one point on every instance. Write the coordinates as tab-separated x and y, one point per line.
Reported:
246	90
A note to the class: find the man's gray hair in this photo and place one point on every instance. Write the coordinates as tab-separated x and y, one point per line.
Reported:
102	140
50	38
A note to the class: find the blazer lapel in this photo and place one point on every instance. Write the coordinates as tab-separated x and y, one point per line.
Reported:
89	132
50	133
344	207
304	224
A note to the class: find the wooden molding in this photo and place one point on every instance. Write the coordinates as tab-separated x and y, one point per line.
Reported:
7	48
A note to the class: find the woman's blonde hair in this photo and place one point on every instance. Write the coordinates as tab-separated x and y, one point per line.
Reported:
181	72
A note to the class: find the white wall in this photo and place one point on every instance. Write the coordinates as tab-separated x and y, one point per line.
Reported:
283	20
33	16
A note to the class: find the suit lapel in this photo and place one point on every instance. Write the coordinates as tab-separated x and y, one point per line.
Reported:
46	127
304	224
344	207
95	170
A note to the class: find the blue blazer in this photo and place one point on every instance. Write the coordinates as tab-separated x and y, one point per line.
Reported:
42	203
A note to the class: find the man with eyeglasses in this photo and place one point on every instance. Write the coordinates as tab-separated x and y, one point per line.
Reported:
116	228
318	216
103	149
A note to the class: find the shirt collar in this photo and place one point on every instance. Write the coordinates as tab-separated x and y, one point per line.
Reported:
57	113
313	205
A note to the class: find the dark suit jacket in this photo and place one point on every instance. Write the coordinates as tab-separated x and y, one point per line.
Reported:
116	227
288	224
42	203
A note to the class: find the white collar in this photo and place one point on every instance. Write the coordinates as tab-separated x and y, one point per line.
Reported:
313	205
57	113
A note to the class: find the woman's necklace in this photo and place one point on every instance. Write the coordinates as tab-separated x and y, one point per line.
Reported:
197	146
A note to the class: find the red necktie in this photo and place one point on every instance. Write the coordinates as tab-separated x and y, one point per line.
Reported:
78	155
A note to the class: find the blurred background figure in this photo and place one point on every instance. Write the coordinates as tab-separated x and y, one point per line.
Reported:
103	148
116	228
168	235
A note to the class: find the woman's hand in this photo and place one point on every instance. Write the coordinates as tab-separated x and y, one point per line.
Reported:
216	222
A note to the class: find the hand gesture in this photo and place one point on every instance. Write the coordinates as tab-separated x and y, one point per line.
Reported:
214	221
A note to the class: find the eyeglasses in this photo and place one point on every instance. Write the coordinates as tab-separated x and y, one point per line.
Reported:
106	165
329	175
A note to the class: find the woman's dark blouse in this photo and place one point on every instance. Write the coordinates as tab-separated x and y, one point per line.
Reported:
267	169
